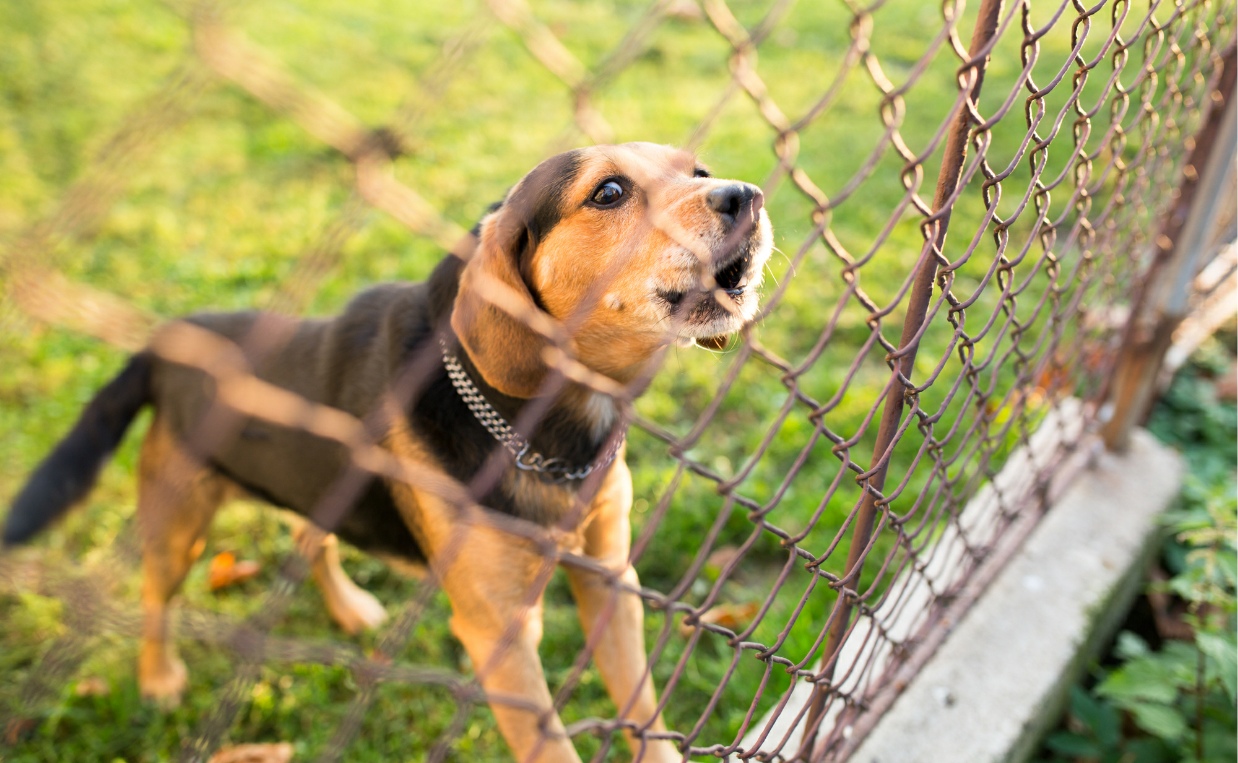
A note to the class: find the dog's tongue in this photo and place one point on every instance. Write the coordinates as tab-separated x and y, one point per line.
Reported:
714	342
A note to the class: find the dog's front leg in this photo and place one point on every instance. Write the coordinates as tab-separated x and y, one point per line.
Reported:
495	584
614	618
620	656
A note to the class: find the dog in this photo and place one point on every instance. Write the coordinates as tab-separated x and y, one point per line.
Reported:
566	296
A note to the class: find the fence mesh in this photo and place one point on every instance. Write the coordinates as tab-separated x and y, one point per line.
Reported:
964	198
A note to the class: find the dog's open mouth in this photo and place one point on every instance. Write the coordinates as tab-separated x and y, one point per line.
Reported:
731	278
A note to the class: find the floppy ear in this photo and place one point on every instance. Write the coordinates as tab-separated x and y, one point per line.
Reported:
493	310
494	307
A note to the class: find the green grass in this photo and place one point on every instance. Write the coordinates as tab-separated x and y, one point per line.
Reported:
217	211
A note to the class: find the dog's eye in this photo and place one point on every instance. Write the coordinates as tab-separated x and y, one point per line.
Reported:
701	172
608	194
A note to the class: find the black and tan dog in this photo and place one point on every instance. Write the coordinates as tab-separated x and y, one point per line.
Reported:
618	250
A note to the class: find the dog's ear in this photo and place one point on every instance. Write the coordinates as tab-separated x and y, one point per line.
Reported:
494	309
496	314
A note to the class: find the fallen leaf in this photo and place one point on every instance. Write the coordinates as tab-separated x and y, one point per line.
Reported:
1168	612
1227	384
720	558
92	686
280	752
226	570
731	616
18	729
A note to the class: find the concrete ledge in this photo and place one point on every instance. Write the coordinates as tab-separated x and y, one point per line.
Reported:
1002	677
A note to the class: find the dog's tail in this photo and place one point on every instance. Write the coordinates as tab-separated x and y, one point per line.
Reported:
70	471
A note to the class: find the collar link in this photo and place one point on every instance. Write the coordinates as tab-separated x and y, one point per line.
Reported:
520	448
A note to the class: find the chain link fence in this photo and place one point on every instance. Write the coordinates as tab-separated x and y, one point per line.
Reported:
967	202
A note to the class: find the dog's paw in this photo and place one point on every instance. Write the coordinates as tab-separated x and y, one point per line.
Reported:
163	681
355	609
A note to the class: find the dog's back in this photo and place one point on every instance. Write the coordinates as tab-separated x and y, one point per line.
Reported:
345	362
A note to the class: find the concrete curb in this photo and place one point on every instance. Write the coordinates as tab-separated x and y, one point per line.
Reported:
1002	677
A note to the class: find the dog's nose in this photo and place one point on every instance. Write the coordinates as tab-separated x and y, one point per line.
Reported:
735	200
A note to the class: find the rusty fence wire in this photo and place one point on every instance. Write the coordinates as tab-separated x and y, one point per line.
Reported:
968	200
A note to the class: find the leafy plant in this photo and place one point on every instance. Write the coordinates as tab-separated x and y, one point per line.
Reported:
1176	703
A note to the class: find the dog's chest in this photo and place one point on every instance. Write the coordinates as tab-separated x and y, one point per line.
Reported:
538	500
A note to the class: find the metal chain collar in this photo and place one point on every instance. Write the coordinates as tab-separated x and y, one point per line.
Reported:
520	448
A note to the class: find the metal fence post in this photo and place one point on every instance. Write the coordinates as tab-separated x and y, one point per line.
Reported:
903	361
1161	303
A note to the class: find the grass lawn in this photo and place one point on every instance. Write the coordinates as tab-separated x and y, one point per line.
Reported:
218	211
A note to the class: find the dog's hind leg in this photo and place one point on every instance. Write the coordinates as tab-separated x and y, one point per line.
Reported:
352	607
176	502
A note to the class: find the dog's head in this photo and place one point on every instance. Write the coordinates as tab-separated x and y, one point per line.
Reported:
627	248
